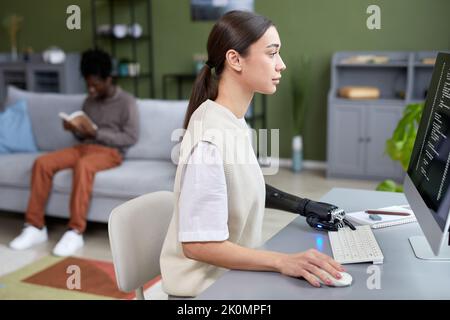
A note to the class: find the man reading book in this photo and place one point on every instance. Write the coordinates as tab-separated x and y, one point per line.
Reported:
114	113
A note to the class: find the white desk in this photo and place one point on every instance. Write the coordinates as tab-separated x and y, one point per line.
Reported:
403	276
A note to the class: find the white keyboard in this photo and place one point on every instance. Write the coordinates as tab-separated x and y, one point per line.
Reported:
355	246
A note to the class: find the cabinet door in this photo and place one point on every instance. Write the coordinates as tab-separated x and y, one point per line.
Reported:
346	139
381	123
12	74
45	78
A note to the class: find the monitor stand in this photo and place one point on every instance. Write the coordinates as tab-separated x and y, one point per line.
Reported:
423	251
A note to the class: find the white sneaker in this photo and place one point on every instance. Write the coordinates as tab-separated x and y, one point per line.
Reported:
70	242
29	237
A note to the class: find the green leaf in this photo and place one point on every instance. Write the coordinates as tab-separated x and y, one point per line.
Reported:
399	147
387	185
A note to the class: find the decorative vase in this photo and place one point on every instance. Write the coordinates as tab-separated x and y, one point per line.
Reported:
297	153
14	55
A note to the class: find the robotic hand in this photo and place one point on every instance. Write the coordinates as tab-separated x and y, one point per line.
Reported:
319	215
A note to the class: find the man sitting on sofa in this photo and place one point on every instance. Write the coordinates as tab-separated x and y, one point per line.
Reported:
116	116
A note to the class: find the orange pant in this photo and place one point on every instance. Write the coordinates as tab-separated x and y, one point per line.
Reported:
85	160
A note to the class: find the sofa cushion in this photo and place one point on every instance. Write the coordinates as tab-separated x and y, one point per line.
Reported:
16	134
133	178
43	109
15	169
158	119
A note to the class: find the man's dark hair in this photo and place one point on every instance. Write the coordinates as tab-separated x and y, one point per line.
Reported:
95	62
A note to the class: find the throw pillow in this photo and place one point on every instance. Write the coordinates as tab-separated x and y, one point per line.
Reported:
16	134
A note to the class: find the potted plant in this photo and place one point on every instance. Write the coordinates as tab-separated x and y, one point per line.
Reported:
300	81
12	23
399	147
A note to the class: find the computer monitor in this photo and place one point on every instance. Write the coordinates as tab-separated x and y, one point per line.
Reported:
426	184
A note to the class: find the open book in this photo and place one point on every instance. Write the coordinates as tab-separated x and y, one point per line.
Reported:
362	218
79	119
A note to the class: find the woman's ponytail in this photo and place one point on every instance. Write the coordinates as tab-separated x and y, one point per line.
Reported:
205	87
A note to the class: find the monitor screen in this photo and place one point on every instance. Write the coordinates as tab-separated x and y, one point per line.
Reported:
429	167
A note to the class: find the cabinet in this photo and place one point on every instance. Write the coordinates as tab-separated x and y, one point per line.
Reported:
381	121
37	76
358	129
346	143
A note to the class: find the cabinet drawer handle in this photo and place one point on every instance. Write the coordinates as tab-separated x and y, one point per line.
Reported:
361	139
368	139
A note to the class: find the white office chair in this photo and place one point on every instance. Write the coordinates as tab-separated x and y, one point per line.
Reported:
137	230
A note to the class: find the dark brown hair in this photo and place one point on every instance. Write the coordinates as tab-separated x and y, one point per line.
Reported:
236	30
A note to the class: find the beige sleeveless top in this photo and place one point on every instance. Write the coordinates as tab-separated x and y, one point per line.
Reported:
216	124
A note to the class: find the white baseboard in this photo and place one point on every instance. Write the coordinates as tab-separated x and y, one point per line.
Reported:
287	163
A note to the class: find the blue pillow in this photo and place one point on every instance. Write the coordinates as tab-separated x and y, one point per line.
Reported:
16	134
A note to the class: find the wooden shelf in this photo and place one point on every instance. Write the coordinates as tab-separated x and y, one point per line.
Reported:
127	38
373	65
144	75
386	101
423	65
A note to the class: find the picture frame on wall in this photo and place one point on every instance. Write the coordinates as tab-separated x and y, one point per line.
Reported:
210	10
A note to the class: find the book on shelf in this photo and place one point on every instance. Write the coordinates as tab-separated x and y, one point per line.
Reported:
362	59
355	92
430	61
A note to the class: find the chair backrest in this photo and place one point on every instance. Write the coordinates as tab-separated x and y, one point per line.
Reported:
137	229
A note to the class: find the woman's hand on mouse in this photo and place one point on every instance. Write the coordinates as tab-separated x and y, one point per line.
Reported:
307	263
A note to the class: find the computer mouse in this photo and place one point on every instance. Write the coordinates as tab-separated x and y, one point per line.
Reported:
345	281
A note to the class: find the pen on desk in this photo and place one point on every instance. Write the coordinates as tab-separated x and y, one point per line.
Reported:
391	213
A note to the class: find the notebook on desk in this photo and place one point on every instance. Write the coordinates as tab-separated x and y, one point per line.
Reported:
362	218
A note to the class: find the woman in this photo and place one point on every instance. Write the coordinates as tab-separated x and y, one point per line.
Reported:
219	203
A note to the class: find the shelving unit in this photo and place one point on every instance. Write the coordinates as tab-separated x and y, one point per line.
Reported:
358	129
37	76
114	45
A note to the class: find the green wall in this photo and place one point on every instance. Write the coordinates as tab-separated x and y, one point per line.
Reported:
316	28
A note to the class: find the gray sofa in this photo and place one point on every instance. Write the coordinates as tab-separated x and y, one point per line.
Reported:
147	166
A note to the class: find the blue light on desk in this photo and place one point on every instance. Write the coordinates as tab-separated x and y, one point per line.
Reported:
319	243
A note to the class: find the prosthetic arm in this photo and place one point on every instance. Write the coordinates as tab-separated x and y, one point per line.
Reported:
319	215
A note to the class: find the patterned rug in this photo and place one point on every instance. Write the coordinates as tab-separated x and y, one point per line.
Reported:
65	278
